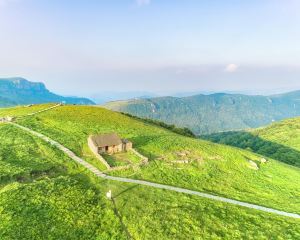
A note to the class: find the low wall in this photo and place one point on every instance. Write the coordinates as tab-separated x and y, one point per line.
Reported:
95	151
144	159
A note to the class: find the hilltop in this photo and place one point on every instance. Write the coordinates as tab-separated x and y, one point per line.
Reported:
279	140
59	195
208	163
205	114
19	91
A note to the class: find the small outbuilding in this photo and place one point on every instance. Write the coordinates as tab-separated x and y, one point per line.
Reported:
108	143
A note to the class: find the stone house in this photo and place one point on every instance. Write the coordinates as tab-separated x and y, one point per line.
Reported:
108	143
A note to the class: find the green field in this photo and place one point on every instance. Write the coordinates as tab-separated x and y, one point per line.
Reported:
44	195
212	168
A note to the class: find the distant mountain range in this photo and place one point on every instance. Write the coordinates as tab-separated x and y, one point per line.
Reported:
205	114
108	96
19	91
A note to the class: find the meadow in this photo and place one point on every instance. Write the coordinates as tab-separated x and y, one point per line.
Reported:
286	133
23	110
280	140
45	195
211	167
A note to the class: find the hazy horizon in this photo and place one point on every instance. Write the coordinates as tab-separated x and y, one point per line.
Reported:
163	47
114	95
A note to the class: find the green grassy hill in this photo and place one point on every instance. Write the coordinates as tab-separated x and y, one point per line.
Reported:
280	140
209	164
205	114
45	194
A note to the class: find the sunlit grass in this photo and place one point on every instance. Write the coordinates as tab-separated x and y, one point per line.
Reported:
212	168
68	202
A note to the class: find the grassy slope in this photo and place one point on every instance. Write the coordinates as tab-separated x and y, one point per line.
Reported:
46	196
22	110
286	133
280	140
217	169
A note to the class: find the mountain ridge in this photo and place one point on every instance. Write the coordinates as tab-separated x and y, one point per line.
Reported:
18	91
218	112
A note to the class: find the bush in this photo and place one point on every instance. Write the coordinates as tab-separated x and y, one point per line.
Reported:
182	131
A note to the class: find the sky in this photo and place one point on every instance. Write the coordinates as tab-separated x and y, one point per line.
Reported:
86	47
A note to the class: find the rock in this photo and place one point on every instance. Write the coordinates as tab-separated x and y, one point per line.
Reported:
263	160
253	165
181	161
200	160
181	154
108	194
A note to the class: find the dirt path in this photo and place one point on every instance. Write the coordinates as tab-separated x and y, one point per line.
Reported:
151	184
44	110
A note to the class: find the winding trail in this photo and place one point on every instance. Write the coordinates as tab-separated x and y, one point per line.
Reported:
151	184
44	110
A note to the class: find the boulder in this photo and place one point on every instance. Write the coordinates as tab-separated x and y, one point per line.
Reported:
263	160
253	165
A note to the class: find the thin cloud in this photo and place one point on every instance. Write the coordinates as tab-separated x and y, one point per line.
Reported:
143	2
231	68
6	2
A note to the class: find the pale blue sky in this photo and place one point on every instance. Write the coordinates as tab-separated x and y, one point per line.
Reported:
82	47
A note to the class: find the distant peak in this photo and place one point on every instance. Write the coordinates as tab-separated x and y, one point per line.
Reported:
14	79
22	91
18	79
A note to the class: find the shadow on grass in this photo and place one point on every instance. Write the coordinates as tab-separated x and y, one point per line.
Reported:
143	140
126	190
117	213
254	143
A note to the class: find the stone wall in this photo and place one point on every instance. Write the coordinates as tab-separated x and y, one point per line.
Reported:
144	159
94	149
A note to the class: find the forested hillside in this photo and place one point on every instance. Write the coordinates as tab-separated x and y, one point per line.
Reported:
6	102
280	140
205	114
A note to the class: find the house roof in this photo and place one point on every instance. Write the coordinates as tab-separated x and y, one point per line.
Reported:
110	139
125	141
